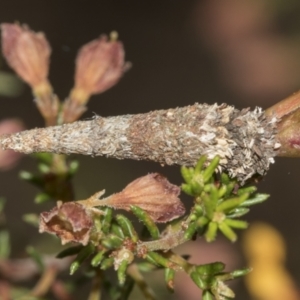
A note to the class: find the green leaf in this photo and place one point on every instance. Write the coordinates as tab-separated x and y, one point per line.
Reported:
84	253
4	244
41	198
107	218
210	234
227	231
210	269
117	230
198	280
97	259
190	231
69	251
209	171
127	227
32	219
228	205
157	259
121	272
238	212
107	263
258	198
249	190
169	278
200	163
35	255
187	173
239	224
112	241
147	221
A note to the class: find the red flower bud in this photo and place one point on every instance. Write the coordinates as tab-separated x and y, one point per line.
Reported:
27	53
69	221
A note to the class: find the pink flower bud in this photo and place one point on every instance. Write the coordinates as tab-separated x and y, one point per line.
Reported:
69	221
8	158
27	53
99	66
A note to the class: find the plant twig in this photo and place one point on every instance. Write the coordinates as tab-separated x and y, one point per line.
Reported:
138	278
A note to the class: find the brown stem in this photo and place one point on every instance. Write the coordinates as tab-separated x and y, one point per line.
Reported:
95	293
138	278
45	282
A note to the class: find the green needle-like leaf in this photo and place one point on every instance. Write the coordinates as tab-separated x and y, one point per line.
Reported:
228	232
187	173
228	205
157	259
127	227
190	231
239	224
84	253
210	269
35	255
112	241
122	272
249	190
207	295
200	163
97	259
107	263
107	218
208	172
147	221
240	273
198	280
169	278
187	189
210	202
238	212
258	198
4	244
210	234
117	230
69	251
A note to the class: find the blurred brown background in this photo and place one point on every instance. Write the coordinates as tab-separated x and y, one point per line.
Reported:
242	52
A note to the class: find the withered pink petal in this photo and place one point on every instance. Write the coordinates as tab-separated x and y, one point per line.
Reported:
70	222
153	193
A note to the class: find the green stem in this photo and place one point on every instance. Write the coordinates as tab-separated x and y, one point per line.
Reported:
138	278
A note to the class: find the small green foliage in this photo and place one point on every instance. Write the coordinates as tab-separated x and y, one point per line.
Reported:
121	272
210	278
114	242
32	219
107	219
127	227
69	251
83	254
35	255
4	244
218	201
107	263
97	259
157	259
147	221
169	278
